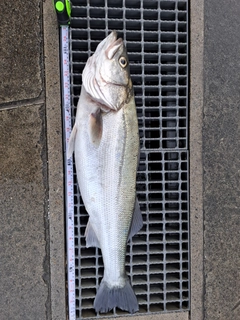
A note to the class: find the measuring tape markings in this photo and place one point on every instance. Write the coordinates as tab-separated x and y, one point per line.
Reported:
69	192
63	11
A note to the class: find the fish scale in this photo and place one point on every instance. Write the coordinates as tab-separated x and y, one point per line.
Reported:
117	188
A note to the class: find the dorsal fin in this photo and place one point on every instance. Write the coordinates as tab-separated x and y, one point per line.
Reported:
137	221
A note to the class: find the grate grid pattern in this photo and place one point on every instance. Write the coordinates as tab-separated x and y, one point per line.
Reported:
157	261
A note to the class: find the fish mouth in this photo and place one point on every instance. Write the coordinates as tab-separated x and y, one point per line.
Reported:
110	45
113	47
108	42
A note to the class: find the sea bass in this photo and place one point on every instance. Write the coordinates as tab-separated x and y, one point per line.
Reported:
105	141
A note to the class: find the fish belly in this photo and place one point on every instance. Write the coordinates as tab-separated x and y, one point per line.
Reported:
107	180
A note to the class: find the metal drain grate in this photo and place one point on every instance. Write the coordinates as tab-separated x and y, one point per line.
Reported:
157	261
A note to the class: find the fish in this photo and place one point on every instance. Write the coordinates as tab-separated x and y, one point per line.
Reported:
105	142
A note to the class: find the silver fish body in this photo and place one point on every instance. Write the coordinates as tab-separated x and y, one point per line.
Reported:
105	141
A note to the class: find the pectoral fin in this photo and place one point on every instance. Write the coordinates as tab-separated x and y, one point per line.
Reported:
137	221
71	143
91	238
95	127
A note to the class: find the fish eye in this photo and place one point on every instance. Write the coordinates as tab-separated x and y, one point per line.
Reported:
123	62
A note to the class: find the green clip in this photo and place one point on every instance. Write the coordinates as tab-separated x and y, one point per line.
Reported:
63	10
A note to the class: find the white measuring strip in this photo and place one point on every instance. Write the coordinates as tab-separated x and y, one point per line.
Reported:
69	192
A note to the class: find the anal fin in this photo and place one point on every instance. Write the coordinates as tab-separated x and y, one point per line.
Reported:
91	238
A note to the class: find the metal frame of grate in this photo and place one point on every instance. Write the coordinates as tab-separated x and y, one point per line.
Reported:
157	261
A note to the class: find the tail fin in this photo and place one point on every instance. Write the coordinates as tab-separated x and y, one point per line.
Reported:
121	297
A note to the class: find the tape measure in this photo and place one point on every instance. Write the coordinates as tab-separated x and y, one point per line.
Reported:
63	10
69	192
